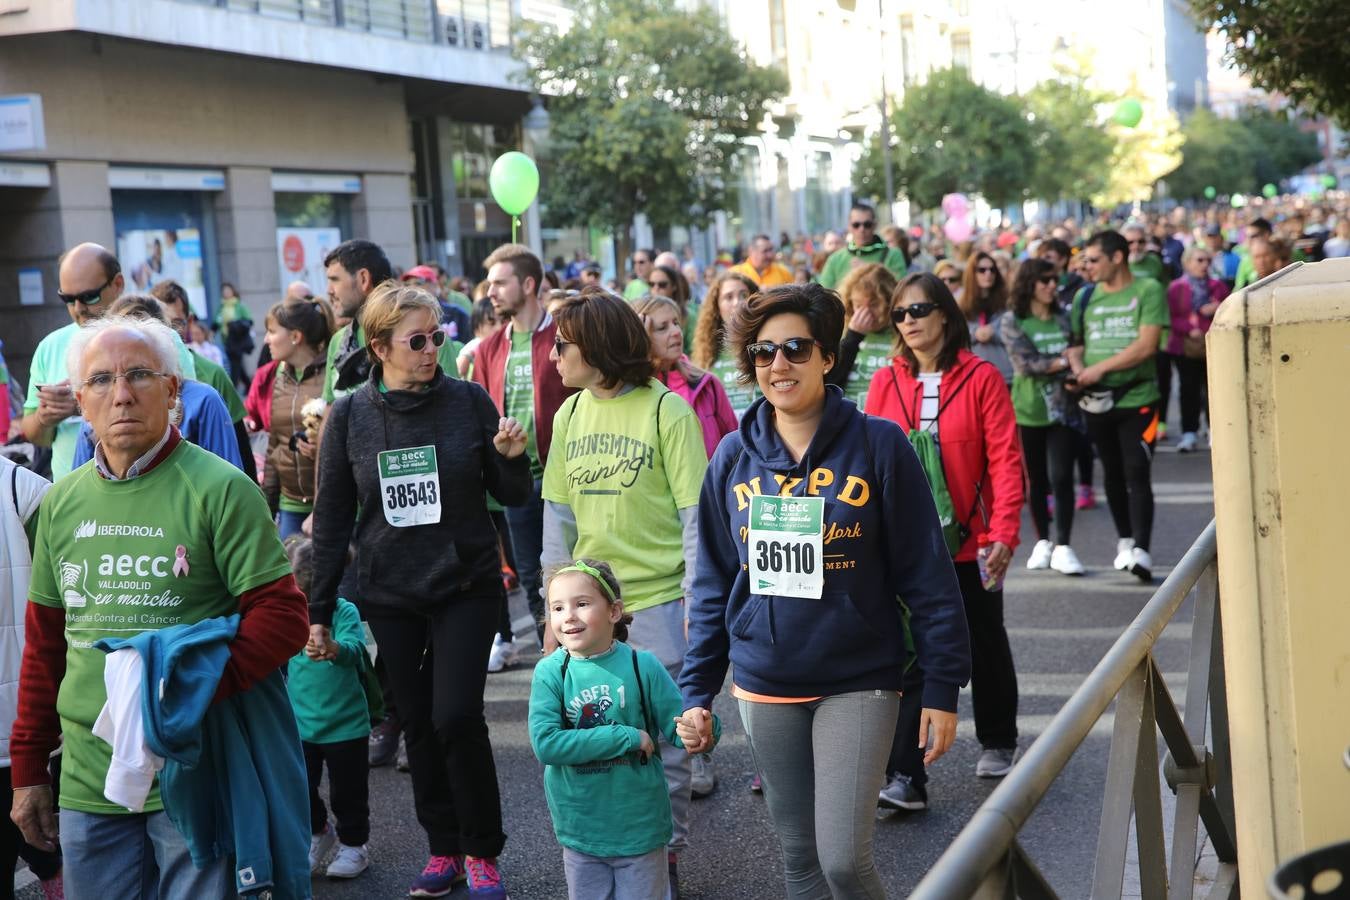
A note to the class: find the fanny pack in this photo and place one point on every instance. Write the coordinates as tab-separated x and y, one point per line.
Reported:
1097	401
352	364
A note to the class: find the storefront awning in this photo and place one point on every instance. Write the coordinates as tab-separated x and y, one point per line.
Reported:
316	182
165	179
25	174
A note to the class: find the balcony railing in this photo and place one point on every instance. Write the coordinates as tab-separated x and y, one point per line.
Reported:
471	24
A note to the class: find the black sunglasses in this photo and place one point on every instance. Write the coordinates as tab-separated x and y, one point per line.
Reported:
984	270
88	298
952	279
797	350
559	344
1047	279
660	284
870	223
916	310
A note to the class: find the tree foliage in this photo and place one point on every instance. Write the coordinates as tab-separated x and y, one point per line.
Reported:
952	135
1072	150
1142	155
1239	156
648	106
1296	47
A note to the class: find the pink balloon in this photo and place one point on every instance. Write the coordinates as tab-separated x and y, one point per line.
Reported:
957	230
955	205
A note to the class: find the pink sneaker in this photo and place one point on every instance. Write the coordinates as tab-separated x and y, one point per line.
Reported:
439	877
485	880
1086	499
54	888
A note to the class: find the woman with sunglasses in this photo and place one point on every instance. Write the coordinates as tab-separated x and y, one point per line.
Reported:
1194	300
1036	334
984	298
728	293
952	276
666	281
405	467
805	613
866	346
622	485
936	384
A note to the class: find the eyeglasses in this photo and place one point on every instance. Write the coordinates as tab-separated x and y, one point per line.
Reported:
1091	260
660	285
870	223
559	344
90	297
952	279
1203	259
136	379
418	342
917	311
796	350
984	270
1135	242
1047	279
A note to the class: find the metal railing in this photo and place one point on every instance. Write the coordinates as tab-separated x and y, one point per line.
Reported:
986	860
470	24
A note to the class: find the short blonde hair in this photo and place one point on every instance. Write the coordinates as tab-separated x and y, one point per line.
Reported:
386	308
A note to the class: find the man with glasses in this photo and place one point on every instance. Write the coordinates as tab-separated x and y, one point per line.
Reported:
1144	263
863	247
1116	334
760	265
89	280
643	263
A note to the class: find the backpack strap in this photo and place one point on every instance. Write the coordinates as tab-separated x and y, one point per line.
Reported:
14	489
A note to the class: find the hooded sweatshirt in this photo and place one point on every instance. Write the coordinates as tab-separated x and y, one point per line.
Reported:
882	545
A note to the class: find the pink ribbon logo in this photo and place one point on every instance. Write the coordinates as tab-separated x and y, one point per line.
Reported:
180	565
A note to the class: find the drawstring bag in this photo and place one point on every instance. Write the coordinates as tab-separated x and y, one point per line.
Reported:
931	460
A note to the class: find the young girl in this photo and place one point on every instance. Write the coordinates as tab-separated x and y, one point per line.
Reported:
329	700
596	706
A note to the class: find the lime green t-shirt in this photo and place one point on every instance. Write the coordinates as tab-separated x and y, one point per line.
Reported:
636	289
874	354
1111	323
1029	392
626	475
1149	266
740	395
519	392
209	373
176	545
232	310
446	356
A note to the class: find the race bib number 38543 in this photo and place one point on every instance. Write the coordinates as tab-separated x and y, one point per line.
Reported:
410	489
786	548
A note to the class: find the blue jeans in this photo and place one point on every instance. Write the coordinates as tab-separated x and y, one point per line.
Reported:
288	523
137	856
527	540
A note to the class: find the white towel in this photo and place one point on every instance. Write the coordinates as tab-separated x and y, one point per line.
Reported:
132	771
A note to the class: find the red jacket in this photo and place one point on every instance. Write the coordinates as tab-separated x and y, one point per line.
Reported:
977	434
258	403
489	370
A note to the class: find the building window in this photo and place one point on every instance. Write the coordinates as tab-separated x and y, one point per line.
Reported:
961	50
908	63
778	34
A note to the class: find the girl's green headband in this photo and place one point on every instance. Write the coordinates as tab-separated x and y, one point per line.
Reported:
582	567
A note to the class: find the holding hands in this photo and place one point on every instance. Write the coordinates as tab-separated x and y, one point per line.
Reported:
510	438
695	730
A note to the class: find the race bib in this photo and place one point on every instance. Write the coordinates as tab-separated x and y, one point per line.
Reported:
410	488
786	547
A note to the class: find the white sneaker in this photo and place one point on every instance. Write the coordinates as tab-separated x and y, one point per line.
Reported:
349	862
497	657
1124	553
1064	561
319	845
1040	555
1141	564
1188	442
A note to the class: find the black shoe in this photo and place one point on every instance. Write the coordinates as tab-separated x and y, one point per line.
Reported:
673	868
902	793
384	743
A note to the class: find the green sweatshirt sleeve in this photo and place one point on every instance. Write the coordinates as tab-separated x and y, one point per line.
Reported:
664	695
349	636
556	745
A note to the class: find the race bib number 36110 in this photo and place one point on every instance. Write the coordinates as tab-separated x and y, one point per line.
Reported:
786	548
410	489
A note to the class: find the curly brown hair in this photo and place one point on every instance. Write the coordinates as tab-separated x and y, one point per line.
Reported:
608	334
710	333
873	284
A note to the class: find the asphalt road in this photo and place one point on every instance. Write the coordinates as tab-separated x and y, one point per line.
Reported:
1059	628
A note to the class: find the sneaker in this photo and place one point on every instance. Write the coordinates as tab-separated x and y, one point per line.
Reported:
1064	561
349	862
902	793
1124	554
1188	443
995	762
402	764
1141	565
1040	555
672	866
439	877
703	780
54	888
497	656
485	880
384	742
319	845
756	784
1086	498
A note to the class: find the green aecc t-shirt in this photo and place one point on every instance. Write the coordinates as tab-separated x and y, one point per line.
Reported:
1029	392
176	545
1111	323
519	389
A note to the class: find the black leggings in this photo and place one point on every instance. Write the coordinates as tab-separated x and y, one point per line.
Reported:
1124	440
1194	392
509	552
348	788
1164	362
1082	454
43	864
1049	453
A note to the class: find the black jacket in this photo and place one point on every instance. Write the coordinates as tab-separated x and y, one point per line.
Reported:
424	566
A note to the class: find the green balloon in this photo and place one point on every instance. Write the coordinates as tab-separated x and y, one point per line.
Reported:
1211	193
1238	201
1270	190
1328	180
514	181
1128	112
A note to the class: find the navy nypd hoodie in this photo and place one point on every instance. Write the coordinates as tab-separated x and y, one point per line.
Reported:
882	543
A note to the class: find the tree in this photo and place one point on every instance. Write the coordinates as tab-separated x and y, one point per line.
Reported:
952	135
648	107
1072	150
1282	148
1238	156
1143	154
1295	47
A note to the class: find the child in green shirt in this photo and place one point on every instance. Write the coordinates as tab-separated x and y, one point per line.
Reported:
597	708
329	699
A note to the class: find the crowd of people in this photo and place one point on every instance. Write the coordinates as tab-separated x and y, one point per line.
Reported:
798	478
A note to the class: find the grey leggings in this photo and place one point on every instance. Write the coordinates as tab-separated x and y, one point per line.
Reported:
824	821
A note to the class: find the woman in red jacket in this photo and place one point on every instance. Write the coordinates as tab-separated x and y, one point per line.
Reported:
936	384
